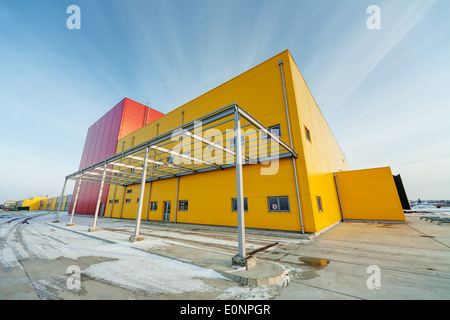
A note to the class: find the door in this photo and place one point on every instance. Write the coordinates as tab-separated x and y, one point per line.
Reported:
166	216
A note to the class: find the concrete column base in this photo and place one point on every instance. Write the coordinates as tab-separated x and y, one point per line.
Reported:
70	224
92	229
247	262
55	221
136	238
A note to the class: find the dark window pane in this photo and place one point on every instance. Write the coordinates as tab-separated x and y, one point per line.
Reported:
273	204
319	203
284	203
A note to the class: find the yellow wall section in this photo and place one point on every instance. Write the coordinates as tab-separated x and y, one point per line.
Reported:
33	203
44	204
53	208
369	195
65	199
209	197
321	156
212	205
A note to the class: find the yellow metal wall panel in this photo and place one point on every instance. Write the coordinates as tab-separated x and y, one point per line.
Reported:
63	204
130	203
321	156
210	196
110	206
113	209
34	205
369	194
25	203
162	190
33	202
54	200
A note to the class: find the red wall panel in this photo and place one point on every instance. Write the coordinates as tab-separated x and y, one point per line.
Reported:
101	142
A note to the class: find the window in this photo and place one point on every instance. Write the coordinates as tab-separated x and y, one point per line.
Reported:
110	201
137	200
127	200
183	205
234	205
319	203
116	201
153	205
129	190
275	130
278	204
308	134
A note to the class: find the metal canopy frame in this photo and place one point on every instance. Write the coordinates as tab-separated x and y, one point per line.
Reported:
185	150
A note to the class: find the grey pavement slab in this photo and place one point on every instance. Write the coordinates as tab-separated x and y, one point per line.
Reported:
352	260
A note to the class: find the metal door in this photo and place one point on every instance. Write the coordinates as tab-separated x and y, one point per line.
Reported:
166	216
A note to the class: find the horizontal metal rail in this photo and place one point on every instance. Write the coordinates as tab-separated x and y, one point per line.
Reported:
125	168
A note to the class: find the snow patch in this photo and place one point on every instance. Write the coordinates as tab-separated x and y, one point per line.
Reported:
248	293
152	277
132	268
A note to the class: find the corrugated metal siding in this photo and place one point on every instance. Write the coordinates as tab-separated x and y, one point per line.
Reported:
101	142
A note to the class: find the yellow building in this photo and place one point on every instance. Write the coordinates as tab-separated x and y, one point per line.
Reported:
295	190
32	203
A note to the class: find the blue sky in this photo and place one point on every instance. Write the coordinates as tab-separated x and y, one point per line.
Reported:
385	93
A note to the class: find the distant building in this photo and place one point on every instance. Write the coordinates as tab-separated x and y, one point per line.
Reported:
41	203
11	204
32	203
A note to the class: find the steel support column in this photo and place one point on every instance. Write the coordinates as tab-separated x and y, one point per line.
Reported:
60	201
239	185
97	208
136	236
75	202
176	200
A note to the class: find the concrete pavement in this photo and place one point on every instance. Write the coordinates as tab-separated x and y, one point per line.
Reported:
215	257
373	261
352	260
